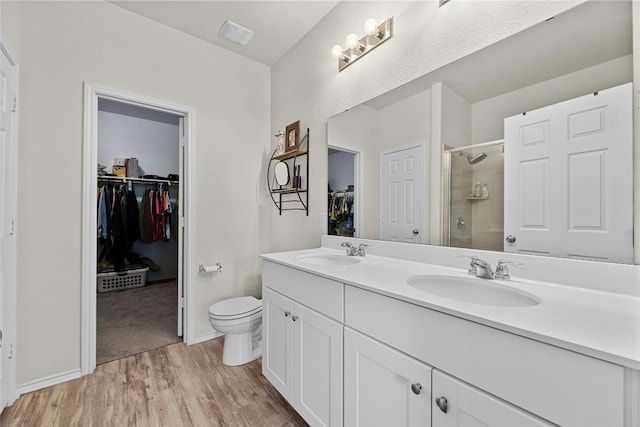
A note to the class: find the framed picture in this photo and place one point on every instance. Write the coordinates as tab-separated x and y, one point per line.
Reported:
292	137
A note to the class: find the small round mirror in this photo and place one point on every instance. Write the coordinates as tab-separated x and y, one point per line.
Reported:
281	171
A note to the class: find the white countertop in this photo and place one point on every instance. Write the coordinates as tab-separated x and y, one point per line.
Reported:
604	325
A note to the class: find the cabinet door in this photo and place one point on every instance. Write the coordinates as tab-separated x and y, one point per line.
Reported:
317	367
382	386
468	406
277	345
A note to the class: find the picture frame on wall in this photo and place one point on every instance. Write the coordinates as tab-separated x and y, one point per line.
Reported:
292	137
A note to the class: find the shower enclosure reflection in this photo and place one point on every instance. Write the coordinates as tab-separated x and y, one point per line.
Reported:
473	195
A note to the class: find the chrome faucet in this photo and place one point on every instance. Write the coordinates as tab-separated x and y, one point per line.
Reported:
352	250
502	272
481	268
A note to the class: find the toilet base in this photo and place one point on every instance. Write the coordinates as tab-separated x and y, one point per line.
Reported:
239	349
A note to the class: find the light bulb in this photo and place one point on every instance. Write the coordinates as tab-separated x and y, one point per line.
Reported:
336	51
370	26
352	41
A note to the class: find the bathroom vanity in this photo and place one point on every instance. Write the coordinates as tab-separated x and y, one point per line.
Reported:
373	340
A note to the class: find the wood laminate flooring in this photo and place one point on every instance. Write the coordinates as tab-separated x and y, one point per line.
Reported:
177	385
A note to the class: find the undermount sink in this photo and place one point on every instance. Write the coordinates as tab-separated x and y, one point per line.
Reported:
329	260
472	289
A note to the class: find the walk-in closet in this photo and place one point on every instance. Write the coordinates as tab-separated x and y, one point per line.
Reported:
138	197
341	200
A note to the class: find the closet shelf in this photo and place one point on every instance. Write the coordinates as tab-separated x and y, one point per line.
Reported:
124	179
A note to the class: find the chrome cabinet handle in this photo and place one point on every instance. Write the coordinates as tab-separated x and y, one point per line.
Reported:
287	313
416	388
294	318
416	231
442	404
510	238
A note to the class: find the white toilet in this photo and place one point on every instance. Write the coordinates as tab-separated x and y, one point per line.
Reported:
241	320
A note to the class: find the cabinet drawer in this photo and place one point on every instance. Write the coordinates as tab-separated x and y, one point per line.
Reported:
556	384
318	293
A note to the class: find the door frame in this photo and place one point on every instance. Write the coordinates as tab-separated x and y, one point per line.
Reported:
9	310
358	161
92	92
424	203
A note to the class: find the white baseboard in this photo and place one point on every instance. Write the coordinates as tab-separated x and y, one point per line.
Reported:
208	336
48	381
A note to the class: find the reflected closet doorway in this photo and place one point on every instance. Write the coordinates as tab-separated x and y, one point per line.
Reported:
344	201
173	238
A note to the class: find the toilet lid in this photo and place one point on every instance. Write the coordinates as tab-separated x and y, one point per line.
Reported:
234	307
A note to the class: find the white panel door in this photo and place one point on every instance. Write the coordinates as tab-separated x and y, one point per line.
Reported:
7	211
317	368
277	350
456	404
569	179
401	195
382	386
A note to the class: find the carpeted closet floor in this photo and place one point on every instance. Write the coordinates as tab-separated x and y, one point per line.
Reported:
132	321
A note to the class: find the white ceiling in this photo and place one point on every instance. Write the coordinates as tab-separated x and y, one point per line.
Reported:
277	25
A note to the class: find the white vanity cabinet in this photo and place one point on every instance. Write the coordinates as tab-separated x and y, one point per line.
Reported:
491	376
458	404
383	387
303	341
560	386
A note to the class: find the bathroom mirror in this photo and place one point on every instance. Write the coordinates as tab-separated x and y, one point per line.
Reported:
281	171
581	51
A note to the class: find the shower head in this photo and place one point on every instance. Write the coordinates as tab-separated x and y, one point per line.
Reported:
473	159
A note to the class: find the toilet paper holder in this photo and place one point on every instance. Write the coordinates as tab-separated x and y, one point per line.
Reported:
210	268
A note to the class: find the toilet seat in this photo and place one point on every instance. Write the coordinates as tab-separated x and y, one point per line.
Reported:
235	308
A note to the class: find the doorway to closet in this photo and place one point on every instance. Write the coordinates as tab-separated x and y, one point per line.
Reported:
138	191
136	234
344	189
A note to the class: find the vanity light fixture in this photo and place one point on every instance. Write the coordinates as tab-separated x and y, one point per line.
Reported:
356	47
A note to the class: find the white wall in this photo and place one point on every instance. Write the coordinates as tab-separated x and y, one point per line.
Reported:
307	86
64	44
150	136
341	170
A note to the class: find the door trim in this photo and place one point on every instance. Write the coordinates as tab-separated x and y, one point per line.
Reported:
9	382
92	92
358	194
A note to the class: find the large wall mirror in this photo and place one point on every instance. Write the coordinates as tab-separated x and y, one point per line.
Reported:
466	155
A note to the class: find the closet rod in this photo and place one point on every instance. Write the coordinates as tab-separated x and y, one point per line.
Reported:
124	179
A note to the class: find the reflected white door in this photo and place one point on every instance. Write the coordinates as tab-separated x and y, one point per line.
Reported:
7	210
569	179
401	193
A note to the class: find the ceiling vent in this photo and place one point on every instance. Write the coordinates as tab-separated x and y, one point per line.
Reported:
235	32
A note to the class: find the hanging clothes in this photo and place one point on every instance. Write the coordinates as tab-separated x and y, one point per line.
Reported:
341	207
118	223
157	215
147	225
